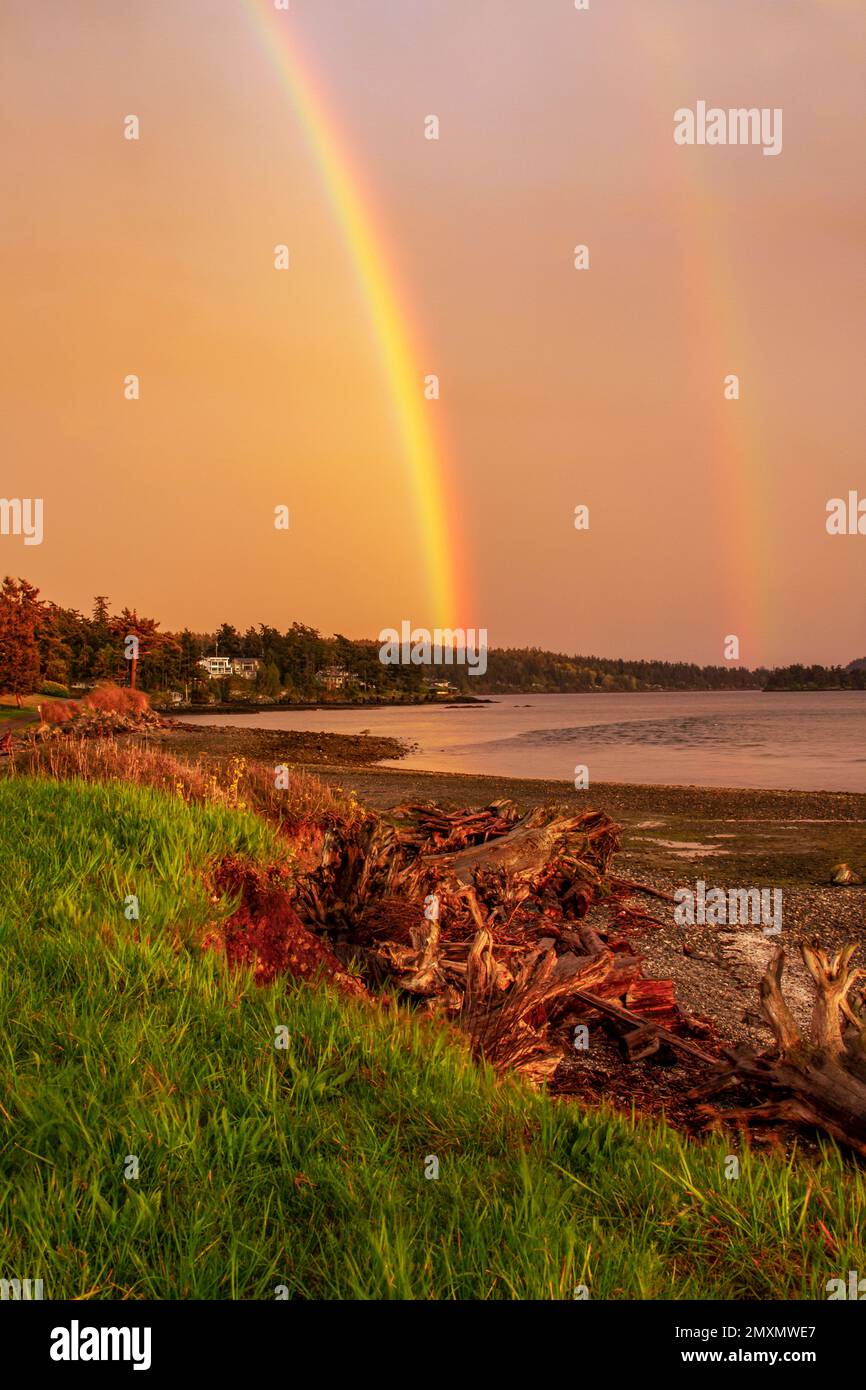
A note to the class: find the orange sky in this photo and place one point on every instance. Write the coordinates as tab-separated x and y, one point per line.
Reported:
559	387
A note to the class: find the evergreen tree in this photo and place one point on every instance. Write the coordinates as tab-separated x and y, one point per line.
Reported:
20	612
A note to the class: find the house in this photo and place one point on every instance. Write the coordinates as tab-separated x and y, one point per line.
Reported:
220	666
334	677
442	689
216	666
246	666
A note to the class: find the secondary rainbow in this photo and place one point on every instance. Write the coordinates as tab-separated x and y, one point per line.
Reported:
714	314
385	302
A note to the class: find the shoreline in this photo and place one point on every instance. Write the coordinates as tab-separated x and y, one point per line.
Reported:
756	836
671	837
281	706
315	749
309	706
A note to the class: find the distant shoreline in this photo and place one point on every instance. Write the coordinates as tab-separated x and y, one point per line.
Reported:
285	706
424	702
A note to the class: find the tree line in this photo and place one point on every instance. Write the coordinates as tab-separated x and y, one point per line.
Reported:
44	646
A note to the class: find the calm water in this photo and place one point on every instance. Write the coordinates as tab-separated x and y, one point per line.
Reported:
811	742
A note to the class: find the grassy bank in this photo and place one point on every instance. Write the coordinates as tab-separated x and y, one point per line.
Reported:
305	1167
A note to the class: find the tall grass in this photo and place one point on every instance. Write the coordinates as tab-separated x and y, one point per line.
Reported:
305	1167
103	699
304	800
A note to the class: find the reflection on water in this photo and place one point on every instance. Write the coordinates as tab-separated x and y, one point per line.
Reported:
742	739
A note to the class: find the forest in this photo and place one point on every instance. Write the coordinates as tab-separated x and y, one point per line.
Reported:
46	647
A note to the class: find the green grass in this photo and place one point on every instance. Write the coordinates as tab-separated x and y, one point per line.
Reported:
305	1167
12	718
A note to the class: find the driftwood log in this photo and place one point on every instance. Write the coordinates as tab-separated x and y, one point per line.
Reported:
479	915
819	1081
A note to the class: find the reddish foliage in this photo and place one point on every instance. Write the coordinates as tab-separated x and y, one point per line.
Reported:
308	837
117	700
266	933
20	616
59	711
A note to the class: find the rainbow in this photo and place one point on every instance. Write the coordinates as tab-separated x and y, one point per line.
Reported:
744	536
712	309
386	304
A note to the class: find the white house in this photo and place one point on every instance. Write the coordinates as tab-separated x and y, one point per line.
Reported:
334	677
218	666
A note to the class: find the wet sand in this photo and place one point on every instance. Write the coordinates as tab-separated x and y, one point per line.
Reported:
314	750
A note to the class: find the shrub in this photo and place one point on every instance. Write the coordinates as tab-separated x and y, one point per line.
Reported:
54	688
115	699
59	711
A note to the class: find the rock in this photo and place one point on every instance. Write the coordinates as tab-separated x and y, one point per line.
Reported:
843	875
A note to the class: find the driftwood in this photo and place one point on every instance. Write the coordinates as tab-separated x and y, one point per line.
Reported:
819	1081
645	1029
632	887
525	848
478	915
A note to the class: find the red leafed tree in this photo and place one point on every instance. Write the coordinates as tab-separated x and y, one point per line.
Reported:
19	652
129	624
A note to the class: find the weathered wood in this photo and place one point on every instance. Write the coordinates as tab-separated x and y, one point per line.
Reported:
523	850
507	949
605	1006
820	1080
653	999
833	983
641	1042
773	1007
425	942
643	888
500	1029
829	1097
590	940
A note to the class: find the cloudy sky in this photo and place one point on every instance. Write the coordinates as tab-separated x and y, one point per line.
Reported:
558	387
